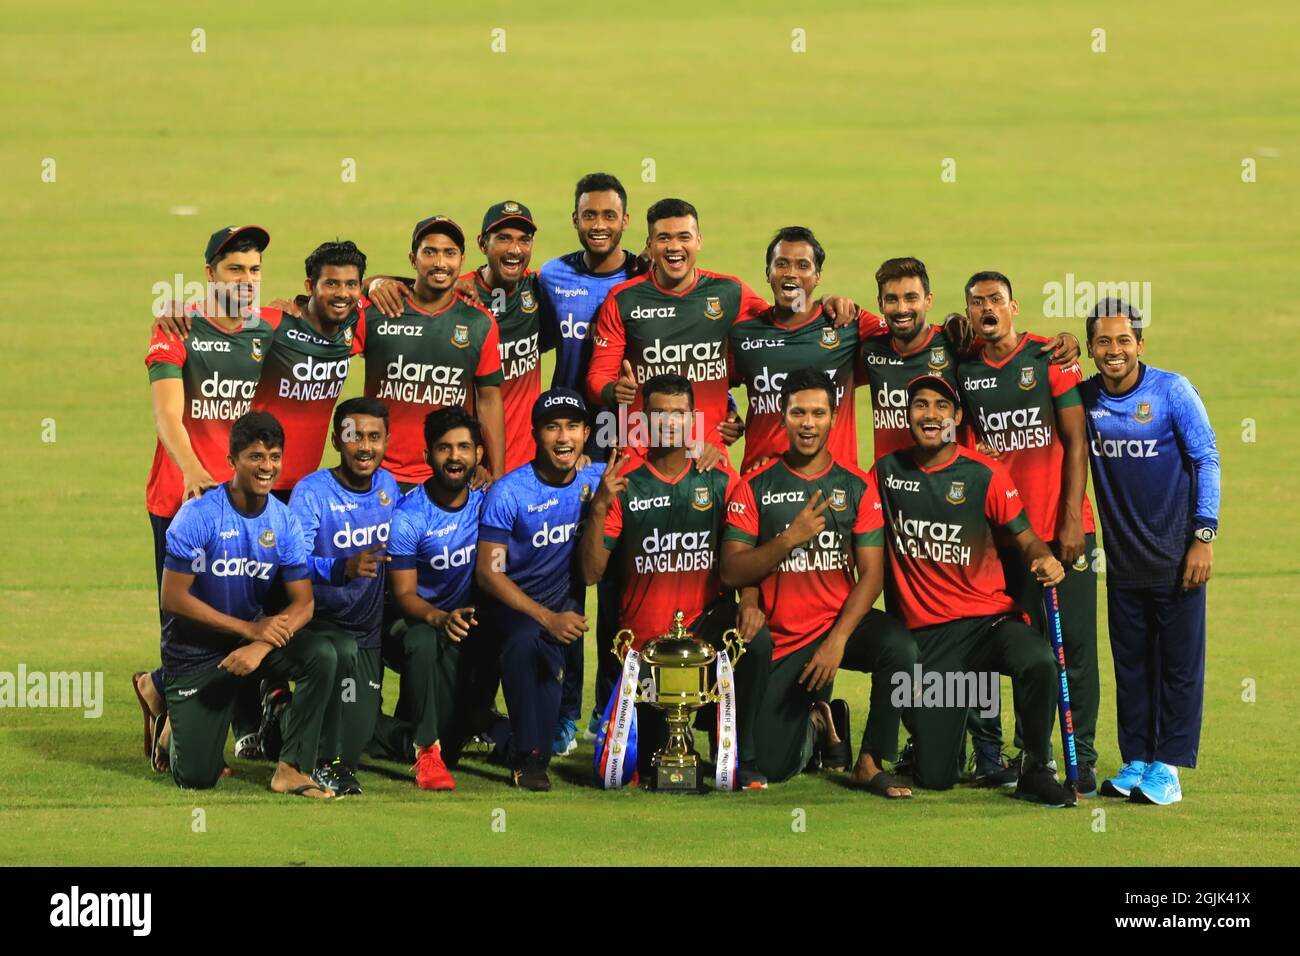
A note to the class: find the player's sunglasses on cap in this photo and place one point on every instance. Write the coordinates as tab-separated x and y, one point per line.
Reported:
223	238
508	213
933	382
559	402
442	224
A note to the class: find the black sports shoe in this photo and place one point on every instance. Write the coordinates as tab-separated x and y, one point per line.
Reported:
1087	784
346	779
275	698
750	777
1041	786
905	765
839	756
323	775
992	769
532	775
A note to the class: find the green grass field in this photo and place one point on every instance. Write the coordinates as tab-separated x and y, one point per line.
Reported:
1123	165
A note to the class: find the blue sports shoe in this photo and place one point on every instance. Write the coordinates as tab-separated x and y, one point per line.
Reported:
566	738
1159	785
593	727
1124	782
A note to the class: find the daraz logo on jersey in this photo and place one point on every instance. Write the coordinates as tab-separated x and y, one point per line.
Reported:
547	535
675	552
360	537
241	568
653	312
199	345
446	559
929	540
519	357
422	383
766	390
780	497
314	380
645	504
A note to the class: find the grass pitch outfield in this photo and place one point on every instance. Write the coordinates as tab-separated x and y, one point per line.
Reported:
1123	165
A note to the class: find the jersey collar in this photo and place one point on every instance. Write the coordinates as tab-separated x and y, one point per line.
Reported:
1025	339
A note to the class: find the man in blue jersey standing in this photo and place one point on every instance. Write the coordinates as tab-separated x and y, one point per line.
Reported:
346	514
534	595
1155	469
574	286
224	550
433	545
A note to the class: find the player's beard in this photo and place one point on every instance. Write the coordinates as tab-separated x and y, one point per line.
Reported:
454	485
615	240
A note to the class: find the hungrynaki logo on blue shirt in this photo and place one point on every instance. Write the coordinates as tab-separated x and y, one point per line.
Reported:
440	545
538	523
235	559
336	524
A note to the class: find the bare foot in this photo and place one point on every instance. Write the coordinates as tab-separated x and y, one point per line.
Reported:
825	726
161	756
866	770
289	779
144	684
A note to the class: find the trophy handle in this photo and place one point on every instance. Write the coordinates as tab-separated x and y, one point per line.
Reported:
735	647
623	644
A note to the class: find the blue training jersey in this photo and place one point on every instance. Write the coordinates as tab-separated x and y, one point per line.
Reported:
538	523
1155	470
336	524
440	545
234	558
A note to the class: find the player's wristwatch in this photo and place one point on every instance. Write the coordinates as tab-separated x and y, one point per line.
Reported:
1206	535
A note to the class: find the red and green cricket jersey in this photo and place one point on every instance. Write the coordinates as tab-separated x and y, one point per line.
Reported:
943	564
1012	406
219	372
422	361
805	594
764	353
664	533
520	328
683	332
889	371
302	377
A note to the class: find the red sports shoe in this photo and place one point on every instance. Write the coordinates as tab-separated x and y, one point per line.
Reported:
430	772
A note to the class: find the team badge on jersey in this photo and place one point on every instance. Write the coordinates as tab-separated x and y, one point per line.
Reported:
267	539
527	302
384	499
713	307
257	350
839	499
1027	378
1143	413
956	492
939	359
460	337
830	337
347	335
585	493
1080	563
702	500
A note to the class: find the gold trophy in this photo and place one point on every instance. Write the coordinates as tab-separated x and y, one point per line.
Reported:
679	667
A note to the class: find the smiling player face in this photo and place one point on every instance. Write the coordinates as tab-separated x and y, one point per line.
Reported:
904	303
257	468
932	418
453	458
508	251
808	418
560	442
674	245
362	444
991	310
600	220
1116	349
437	261
793	275
336	292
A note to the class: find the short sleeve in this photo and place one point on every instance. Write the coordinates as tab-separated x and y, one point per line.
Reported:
187	540
489	360
869	526
292	550
870	325
1002	504
742	515
404	542
1065	384
165	357
613	523
498	517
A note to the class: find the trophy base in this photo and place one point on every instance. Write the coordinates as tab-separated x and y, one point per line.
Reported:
676	779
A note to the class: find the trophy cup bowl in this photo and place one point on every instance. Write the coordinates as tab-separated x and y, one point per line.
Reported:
679	668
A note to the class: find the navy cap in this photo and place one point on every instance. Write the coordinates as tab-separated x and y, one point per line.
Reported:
508	213
224	237
936	382
559	402
443	224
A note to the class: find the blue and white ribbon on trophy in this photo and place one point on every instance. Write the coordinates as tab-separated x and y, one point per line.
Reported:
726	777
615	761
